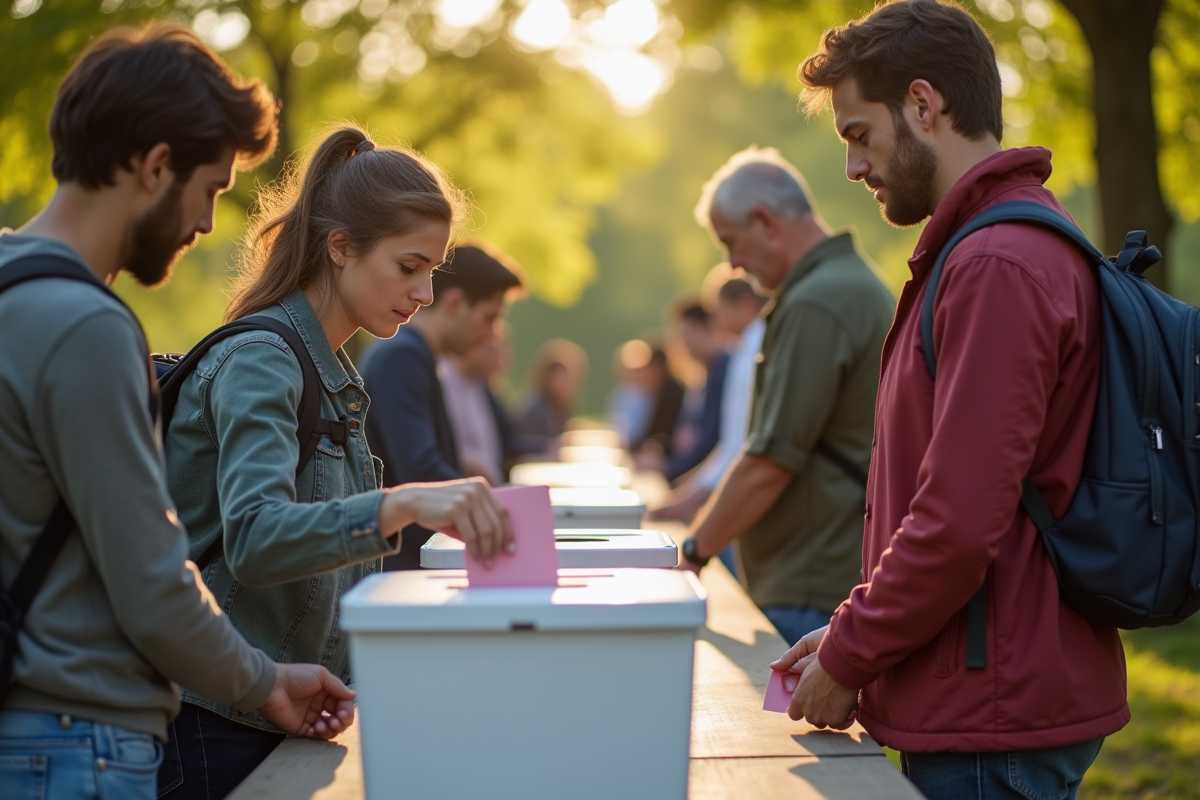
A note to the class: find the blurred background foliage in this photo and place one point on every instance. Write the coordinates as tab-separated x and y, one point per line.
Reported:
583	129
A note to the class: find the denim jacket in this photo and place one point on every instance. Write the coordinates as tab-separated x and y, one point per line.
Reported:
293	543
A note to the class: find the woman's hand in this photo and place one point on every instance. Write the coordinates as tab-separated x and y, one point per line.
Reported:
465	509
310	701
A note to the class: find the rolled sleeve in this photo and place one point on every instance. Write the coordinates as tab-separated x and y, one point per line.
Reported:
799	382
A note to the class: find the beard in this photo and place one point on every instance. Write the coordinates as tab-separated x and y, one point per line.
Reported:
154	245
910	171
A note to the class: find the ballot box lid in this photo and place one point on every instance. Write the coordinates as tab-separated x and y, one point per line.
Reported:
581	501
429	601
557	473
577	548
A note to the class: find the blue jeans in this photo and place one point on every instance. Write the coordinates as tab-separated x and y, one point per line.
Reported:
56	757
1052	774
793	622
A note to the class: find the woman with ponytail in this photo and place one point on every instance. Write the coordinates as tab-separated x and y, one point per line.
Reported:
348	241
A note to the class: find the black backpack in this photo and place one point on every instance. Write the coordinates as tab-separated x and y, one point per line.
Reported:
171	370
1126	552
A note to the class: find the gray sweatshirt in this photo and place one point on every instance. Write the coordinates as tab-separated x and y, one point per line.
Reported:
122	616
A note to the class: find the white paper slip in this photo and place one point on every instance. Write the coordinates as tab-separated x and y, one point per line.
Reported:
577	548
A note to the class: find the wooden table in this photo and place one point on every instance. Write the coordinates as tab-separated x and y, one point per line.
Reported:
738	750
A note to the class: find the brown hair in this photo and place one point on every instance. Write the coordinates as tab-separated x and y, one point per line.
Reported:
910	40
348	184
134	88
481	271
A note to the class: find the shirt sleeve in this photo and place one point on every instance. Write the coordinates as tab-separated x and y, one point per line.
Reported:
95	390
997	336
400	426
801	381
270	538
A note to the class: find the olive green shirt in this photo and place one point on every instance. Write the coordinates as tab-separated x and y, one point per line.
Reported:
817	380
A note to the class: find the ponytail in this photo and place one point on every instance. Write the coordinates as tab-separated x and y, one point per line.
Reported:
348	184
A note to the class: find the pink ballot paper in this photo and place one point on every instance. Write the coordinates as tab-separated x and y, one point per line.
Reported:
779	691
536	561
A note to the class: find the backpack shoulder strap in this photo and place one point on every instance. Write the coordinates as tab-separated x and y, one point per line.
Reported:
1016	211
32	268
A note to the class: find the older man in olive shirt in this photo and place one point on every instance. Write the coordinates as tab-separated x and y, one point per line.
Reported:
793	499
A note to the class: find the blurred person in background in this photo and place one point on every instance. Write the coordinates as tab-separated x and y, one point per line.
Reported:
631	401
557	373
698	429
409	427
666	391
793	498
488	444
739	309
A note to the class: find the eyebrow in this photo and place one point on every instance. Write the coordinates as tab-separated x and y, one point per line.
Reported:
418	254
844	131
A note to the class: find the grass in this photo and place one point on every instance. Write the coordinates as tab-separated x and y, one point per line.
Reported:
1157	755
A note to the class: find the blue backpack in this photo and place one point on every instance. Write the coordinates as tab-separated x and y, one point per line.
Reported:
1126	552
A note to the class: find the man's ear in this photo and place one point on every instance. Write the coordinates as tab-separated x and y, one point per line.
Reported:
924	104
153	170
764	219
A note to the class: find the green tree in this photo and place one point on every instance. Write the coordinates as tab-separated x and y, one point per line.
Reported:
1126	121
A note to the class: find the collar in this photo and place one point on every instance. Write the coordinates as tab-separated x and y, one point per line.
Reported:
335	368
978	188
836	245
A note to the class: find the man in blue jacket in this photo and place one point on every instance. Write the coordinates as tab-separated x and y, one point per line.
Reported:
409	427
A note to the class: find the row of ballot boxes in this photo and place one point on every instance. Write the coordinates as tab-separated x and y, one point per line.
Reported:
582	689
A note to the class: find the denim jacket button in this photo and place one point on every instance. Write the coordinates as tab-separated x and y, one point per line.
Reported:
355	406
353	424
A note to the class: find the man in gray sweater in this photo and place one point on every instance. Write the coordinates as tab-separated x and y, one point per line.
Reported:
146	130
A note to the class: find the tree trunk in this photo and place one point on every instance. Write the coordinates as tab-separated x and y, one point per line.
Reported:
1121	34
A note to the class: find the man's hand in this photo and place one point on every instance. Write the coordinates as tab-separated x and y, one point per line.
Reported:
682	508
309	701
817	698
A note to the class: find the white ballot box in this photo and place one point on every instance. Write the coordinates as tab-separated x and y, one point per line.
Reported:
596	508
576	548
583	691
556	473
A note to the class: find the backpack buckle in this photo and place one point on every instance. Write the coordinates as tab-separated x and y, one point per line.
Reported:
338	430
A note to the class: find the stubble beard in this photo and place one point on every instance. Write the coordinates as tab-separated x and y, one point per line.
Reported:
910	171
153	245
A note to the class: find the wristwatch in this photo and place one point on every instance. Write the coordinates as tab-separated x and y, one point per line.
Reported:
689	553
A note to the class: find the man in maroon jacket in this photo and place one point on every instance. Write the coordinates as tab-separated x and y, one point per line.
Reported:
916	97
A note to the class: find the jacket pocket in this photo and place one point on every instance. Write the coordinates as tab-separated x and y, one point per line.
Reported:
949	646
329	472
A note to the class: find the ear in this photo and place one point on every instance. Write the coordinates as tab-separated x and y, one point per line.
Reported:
453	301
764	218
153	170
336	247
923	104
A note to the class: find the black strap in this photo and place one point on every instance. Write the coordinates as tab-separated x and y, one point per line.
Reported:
310	427
847	466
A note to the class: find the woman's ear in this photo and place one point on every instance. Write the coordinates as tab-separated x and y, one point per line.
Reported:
336	246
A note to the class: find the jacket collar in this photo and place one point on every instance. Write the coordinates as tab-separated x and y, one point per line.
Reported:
979	187
335	369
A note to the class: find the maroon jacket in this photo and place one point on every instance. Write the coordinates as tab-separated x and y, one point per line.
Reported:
1017	336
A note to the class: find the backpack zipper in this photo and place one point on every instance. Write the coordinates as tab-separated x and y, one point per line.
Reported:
1156	498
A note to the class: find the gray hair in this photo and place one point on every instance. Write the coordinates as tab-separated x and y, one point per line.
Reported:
754	177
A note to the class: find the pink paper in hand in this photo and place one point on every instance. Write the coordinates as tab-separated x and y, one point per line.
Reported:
536	561
779	691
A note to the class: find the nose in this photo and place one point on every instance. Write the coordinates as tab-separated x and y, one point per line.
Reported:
423	290
205	225
857	167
